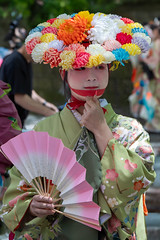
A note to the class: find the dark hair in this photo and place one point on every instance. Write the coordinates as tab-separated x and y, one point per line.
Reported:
67	91
11	32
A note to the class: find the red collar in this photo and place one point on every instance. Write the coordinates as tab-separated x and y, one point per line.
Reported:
75	103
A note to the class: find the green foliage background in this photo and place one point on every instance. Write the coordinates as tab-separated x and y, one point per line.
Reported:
47	81
35	11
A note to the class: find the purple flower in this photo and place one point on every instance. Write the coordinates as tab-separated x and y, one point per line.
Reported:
142	43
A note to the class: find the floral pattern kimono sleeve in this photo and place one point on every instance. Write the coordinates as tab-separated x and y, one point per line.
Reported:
127	169
16	200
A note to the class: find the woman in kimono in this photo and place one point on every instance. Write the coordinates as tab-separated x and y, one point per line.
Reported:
114	149
10	126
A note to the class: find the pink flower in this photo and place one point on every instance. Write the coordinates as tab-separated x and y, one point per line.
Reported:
81	60
110	45
76	47
111	174
49	30
146	149
31	44
129	165
14	200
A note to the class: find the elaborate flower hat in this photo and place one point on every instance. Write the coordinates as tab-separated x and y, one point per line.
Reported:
86	40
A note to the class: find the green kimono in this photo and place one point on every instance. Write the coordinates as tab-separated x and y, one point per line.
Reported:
119	180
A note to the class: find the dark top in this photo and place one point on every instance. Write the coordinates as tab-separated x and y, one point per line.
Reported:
16	71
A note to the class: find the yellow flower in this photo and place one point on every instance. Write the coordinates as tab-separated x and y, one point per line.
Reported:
44	24
86	15
128	27
48	37
67	59
132	49
58	22
95	60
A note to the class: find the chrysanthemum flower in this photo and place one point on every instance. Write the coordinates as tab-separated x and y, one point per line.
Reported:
31	44
72	30
36	29
76	47
104	29
128	27
86	15
29	37
58	22
38	51
82	58
96	49
49	30
110	45
120	55
51	56
123	38
64	16
96	60
127	20
67	59
57	44
48	37
51	20
44	24
142	35
142	43
132	49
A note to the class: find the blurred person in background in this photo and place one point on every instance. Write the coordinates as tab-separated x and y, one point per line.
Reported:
144	100
16	70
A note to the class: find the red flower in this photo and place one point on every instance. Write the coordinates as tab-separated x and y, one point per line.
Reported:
138	185
127	20
51	20
123	38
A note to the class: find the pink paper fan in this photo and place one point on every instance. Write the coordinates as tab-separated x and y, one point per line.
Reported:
52	170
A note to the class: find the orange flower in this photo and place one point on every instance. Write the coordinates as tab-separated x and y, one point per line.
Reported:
73	30
138	185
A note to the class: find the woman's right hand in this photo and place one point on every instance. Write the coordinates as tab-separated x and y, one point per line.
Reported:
41	206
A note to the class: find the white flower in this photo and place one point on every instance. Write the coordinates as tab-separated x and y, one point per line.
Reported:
119	22
64	16
103	187
35	34
112	202
96	49
104	29
38	51
57	44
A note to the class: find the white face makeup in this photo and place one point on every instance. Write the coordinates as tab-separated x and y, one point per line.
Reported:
87	80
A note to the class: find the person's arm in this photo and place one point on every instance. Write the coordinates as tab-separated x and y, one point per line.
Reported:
25	101
38	98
